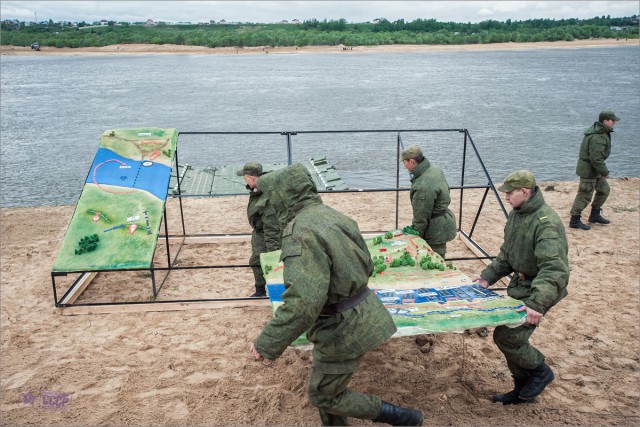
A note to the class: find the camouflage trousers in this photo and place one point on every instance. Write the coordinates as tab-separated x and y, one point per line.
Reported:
258	246
514	344
327	390
585	193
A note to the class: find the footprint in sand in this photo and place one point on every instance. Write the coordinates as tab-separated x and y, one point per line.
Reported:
201	377
176	410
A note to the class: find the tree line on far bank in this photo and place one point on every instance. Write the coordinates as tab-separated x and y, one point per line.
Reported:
320	33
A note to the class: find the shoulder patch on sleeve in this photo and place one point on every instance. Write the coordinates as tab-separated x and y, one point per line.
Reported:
543	217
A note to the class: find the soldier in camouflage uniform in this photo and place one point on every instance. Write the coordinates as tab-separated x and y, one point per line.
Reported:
432	218
265	236
326	269
535	251
593	171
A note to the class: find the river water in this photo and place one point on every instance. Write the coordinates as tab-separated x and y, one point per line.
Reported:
523	109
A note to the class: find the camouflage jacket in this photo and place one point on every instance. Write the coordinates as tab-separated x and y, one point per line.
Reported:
594	150
325	261
430	201
263	220
535	250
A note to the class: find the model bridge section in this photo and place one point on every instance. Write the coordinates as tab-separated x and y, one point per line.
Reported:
215	180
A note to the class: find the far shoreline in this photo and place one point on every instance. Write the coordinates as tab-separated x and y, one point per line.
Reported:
168	49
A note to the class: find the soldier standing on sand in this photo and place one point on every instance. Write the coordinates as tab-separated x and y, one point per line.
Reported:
265	236
430	199
326	270
593	172
535	251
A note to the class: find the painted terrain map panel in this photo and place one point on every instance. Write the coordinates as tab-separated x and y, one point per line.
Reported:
422	293
116	221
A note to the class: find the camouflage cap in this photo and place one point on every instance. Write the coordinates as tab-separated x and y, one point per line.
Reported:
251	168
411	152
608	115
516	180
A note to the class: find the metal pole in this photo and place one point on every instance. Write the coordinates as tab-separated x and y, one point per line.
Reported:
153	283
475	221
464	165
53	284
166	236
506	215
398	143
184	233
289	156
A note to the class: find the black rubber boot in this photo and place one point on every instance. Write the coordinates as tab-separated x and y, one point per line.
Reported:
577	223
399	416
597	218
260	292
511	398
332	419
539	378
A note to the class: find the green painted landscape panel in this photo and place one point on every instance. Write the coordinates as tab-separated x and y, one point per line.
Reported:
423	293
117	218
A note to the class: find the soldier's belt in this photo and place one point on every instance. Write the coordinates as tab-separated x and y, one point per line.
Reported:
345	304
437	214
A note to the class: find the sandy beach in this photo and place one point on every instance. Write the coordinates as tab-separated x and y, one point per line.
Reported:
192	367
131	49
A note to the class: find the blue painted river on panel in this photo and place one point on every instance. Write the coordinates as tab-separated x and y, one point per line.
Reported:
112	169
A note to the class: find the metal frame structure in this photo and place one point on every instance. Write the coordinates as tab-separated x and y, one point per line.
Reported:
67	300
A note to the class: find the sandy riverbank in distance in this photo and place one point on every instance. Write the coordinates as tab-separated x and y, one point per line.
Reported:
129	49
193	367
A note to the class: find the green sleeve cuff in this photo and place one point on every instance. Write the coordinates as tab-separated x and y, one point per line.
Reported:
532	305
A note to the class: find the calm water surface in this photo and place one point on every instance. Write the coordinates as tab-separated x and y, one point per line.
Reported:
523	109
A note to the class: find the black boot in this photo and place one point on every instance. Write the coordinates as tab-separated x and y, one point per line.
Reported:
577	223
597	217
511	398
539	378
332	419
260	292
399	416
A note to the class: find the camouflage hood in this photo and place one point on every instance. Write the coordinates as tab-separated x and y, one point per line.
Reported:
596	128
289	190
421	168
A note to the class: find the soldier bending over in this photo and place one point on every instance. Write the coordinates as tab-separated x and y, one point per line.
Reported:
327	268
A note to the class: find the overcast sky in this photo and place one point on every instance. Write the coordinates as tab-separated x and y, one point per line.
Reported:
275	11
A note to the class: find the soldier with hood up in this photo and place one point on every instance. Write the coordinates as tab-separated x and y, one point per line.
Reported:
326	270
265	235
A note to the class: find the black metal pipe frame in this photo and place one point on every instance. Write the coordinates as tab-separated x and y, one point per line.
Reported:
495	191
184	232
464	164
357	190
475	220
171	264
398	148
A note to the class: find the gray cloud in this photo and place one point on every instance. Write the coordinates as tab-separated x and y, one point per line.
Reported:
275	11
